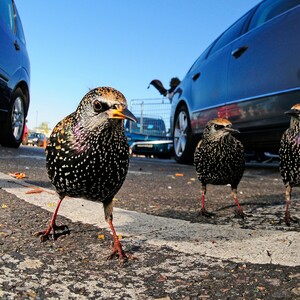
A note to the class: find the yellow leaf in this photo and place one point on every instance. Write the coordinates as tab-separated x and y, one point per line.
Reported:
35	191
18	175
3	206
51	204
120	237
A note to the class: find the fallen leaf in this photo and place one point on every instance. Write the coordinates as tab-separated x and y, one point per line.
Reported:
18	175
120	236
51	204
35	191
4	206
162	278
179	175
101	236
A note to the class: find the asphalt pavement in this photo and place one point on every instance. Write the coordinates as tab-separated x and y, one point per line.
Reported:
178	254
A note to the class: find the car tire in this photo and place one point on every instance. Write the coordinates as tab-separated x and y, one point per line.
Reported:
182	137
12	129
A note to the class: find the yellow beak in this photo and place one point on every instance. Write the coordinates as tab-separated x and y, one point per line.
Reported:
121	113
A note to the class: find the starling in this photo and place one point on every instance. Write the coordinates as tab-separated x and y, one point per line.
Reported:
219	159
87	155
289	154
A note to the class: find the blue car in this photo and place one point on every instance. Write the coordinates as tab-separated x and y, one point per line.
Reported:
14	76
148	137
250	74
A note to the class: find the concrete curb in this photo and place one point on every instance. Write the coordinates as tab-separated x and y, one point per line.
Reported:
224	242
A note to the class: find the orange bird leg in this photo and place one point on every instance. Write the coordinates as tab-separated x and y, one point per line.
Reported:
203	211
240	211
288	192
52	225
117	247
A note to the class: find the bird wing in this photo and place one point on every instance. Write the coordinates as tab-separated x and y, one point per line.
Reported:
159	86
62	139
196	154
237	162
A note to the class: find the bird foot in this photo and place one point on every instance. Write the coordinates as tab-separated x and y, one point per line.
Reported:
205	213
57	231
240	213
119	252
288	219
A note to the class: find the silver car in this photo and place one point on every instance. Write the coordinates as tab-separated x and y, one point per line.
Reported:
250	75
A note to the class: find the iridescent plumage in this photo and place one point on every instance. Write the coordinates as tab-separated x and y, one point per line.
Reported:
87	154
289	154
219	159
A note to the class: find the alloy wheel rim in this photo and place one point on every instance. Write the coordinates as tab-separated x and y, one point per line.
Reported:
180	133
17	118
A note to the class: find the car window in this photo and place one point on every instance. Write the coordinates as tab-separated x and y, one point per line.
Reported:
147	125
230	34
7	14
199	59
270	9
20	32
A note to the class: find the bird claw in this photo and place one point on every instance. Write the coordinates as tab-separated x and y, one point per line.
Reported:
123	256
288	219
240	213
205	213
57	231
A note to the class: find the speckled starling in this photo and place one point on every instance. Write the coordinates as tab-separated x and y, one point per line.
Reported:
87	154
219	159
289	154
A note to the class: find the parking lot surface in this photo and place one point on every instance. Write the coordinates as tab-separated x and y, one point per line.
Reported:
179	254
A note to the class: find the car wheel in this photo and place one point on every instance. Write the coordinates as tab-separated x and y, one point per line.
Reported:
13	127
182	137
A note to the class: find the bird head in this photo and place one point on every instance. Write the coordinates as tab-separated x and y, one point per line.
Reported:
294	111
218	128
103	107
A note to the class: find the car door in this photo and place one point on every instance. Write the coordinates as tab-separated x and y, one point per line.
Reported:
209	77
265	64
10	56
272	54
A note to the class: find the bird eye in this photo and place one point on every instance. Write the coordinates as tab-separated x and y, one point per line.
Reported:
97	106
218	127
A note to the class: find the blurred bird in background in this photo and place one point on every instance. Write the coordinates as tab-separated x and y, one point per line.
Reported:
174	82
88	156
219	160
289	154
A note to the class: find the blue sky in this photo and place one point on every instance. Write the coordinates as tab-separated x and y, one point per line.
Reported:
78	45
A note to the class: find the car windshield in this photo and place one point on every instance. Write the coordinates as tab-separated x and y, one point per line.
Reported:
146	125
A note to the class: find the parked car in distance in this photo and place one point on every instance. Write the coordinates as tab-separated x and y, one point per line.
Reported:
36	139
148	129
250	74
14	76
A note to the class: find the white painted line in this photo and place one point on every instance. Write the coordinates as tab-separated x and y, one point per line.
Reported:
218	241
139	173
